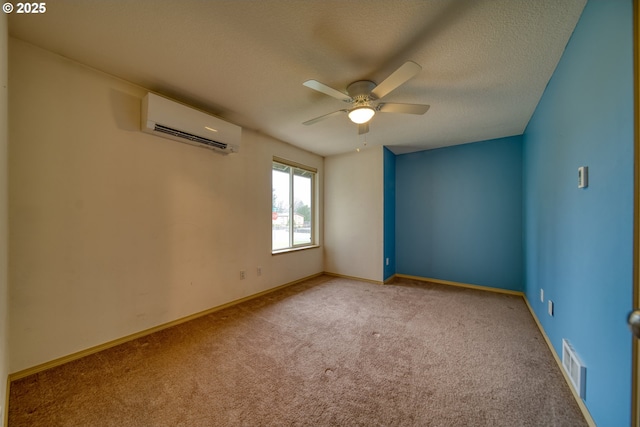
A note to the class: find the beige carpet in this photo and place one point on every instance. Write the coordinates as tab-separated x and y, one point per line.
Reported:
326	352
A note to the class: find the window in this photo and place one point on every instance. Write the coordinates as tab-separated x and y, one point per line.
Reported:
292	205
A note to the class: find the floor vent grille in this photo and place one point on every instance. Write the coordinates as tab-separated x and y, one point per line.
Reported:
574	368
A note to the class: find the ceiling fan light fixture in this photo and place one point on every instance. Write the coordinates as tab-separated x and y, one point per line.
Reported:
361	114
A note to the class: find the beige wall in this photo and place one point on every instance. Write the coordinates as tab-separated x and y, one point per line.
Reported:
354	206
4	290
115	231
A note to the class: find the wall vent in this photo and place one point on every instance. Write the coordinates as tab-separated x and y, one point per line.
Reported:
575	369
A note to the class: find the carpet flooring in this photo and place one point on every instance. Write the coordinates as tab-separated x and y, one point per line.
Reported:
325	352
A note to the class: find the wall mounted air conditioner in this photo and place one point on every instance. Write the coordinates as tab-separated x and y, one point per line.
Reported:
169	119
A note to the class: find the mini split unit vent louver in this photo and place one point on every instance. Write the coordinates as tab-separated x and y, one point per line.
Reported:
574	368
169	119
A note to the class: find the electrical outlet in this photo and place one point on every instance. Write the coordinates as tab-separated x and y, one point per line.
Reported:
242	275
387	261
541	295
550	308
259	271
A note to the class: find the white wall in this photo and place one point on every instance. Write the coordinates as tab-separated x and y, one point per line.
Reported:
354	212
4	290
115	231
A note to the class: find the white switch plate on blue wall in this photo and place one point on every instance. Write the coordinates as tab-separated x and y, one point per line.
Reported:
583	177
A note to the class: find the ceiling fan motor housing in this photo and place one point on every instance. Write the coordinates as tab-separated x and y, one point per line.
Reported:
360	91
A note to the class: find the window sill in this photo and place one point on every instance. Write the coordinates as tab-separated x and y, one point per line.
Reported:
289	250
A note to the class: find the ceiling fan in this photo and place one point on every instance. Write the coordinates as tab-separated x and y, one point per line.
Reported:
364	94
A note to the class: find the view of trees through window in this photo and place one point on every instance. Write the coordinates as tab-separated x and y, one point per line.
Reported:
291	206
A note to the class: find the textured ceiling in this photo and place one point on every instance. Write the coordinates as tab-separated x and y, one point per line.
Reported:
485	62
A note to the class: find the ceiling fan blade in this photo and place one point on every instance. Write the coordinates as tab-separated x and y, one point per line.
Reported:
406	71
327	90
402	108
326	116
363	128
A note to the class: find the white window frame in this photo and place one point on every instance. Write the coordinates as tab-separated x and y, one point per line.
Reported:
313	174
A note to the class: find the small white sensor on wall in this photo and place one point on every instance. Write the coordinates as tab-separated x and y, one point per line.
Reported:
583	177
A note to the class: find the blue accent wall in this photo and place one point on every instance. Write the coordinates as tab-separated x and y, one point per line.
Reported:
579	241
459	214
389	160
508	213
